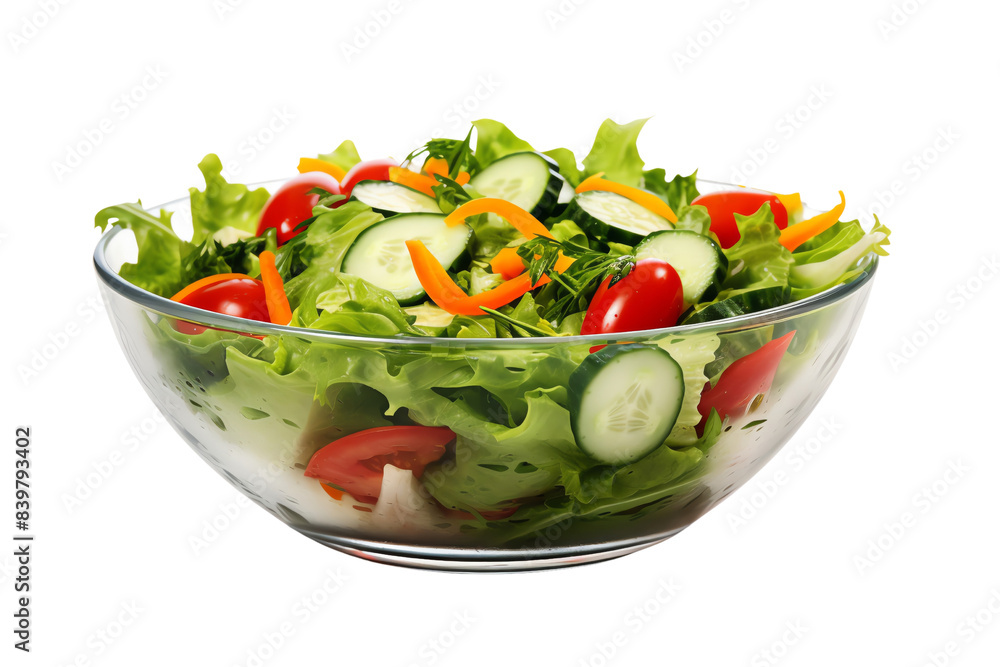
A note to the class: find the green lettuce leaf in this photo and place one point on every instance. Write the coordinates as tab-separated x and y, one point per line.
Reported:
353	305
568	167
758	259
839	263
344	156
158	266
615	153
321	251
680	191
222	204
693	218
490	234
494	141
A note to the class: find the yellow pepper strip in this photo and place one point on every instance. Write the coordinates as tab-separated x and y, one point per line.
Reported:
411	179
308	164
792	202
443	291
645	199
518	218
274	290
436	165
795	235
205	282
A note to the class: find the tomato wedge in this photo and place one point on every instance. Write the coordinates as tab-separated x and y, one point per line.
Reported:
292	203
369	170
744	380
240	297
722	207
354	463
649	297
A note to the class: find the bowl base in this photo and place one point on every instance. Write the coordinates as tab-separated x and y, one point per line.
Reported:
451	559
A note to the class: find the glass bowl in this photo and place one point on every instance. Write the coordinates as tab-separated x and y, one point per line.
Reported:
257	400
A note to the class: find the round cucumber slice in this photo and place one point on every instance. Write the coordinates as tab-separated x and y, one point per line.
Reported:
612	217
379	254
698	260
528	180
624	400
390	198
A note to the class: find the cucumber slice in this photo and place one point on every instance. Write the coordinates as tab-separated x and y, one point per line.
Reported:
752	301
698	260
390	198
624	401
379	254
611	217
528	180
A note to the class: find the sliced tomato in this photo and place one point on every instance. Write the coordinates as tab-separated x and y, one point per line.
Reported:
355	462
239	297
744	380
292	203
369	170
722	207
649	297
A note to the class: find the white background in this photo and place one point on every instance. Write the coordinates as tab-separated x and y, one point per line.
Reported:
874	86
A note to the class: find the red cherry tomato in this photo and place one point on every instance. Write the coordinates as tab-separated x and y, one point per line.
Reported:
723	205
354	463
239	297
370	170
650	297
292	204
744	380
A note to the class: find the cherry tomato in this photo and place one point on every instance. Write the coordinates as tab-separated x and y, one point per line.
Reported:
369	170
723	205
744	380
239	297
354	463
650	297
292	204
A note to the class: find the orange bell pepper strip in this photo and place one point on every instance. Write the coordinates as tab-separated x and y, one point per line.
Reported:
308	164
507	263
443	291
795	235
436	165
411	179
647	200
274	290
518	218
462	178
205	282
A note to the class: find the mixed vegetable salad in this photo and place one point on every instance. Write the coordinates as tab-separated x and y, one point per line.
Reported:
488	239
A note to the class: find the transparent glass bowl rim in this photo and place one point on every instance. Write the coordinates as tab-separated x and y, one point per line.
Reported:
180	311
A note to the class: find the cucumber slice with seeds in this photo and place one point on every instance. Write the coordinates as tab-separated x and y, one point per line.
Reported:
379	254
612	217
698	260
624	401
528	180
390	198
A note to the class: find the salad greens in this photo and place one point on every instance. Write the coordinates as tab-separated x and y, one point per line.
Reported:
486	238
